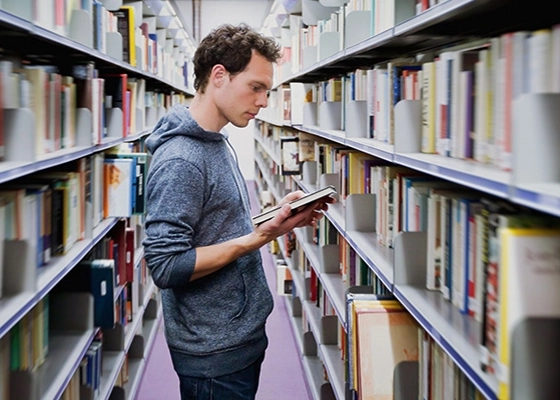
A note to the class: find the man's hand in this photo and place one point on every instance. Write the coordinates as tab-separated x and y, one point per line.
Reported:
286	220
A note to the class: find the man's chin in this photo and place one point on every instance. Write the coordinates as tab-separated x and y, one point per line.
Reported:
240	124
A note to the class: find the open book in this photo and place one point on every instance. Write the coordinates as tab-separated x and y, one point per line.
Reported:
296	204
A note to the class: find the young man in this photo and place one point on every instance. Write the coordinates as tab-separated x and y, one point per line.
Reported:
200	245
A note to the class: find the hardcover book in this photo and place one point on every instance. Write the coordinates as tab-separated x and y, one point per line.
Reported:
296	204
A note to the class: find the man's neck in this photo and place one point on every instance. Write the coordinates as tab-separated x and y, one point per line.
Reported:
206	114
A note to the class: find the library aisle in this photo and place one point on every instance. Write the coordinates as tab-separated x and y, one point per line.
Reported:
282	374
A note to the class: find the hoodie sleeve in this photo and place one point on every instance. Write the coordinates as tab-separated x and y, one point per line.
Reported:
175	191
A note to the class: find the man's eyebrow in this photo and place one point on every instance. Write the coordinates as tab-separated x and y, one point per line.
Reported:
260	84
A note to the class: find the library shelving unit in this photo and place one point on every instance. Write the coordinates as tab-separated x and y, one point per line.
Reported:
527	177
43	35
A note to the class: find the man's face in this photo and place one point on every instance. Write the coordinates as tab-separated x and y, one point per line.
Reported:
243	95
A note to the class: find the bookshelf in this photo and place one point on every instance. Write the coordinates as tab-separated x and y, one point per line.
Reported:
47	330
526	178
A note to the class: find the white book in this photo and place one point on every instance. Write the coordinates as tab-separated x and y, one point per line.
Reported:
528	287
433	254
482	107
120	173
540	61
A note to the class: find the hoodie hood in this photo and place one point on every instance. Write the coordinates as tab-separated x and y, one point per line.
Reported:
178	121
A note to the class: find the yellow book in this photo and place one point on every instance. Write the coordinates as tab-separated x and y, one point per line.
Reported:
429	107
125	26
528	288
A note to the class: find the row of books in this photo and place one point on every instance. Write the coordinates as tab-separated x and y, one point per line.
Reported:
379	342
28	340
306	30
116	104
144	44
466	94
114	300
52	209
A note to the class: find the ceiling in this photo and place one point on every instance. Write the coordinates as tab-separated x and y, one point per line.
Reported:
201	16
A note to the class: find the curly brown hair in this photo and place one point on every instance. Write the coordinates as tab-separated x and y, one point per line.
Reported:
231	46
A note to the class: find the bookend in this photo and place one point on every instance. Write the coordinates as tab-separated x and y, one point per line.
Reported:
327	392
20	267
310	113
81	29
357	27
114	45
118	393
360	211
408	126
356	119
140	121
536	123
151	116
114	119
329	329
309	172
84	127
151	309
309	345
330	113
21	8
19	135
113	338
112	5
328	258
296	307
405	380
309	56
410	258
534	361
330	179
329	45
74	312
137	347
312	11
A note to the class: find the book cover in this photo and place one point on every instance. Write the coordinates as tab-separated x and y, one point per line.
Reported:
385	336
529	282
118	185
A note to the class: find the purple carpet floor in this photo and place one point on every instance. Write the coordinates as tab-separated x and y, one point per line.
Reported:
282	376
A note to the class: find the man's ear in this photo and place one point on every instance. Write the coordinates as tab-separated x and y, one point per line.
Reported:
218	75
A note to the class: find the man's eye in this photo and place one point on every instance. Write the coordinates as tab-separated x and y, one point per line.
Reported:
256	89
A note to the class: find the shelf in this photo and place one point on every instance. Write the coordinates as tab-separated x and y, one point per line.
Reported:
468	173
112	364
328	354
373	147
65	354
13	308
540	196
38	40
458	334
296	323
332	283
313	368
335	136
378	257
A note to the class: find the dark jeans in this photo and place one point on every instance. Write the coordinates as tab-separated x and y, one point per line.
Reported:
241	385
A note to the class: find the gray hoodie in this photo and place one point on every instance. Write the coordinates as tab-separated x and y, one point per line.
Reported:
196	196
